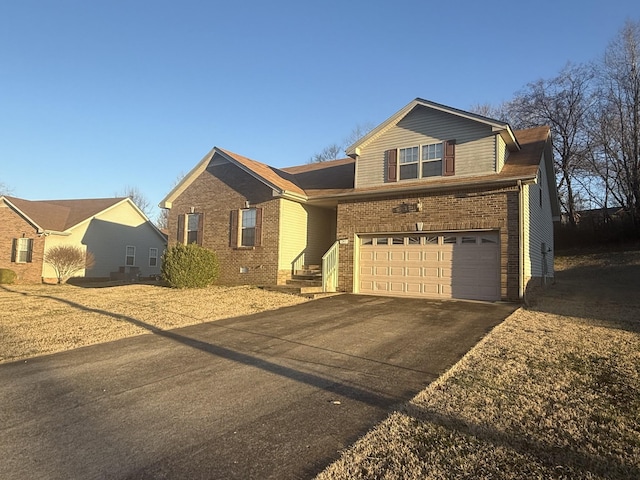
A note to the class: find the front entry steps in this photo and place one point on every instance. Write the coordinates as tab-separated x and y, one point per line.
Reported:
306	282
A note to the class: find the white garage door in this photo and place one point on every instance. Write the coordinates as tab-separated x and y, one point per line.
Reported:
448	265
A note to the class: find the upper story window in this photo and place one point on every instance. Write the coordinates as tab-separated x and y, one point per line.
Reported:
429	160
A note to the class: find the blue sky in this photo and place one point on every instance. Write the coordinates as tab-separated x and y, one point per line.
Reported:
98	96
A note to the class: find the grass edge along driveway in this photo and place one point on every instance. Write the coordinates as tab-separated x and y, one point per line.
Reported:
552	392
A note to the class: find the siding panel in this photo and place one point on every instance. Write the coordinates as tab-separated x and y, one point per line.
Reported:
475	144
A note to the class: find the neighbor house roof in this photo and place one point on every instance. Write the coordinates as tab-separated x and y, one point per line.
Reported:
60	215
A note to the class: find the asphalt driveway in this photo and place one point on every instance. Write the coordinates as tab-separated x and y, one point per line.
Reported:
272	395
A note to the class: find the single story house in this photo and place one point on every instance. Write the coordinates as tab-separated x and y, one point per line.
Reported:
435	202
123	241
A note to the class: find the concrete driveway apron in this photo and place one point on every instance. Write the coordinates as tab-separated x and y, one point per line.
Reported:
272	395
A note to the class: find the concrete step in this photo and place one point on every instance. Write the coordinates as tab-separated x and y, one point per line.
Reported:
305	282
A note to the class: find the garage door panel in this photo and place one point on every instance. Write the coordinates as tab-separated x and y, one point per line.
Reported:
411	272
469	270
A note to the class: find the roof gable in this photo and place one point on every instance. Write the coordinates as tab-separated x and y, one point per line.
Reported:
63	215
502	128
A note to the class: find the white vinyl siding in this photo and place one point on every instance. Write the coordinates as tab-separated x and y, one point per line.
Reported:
503	152
106	236
538	228
475	144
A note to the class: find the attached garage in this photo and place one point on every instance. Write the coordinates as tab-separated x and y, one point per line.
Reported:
457	265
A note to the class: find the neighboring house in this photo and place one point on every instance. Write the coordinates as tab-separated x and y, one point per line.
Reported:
121	238
435	202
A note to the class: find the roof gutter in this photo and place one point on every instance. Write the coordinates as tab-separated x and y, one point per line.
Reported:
507	182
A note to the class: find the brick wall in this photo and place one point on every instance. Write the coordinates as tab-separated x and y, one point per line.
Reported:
14	226
469	210
216	192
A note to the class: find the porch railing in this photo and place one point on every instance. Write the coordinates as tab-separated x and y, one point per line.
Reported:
298	263
330	269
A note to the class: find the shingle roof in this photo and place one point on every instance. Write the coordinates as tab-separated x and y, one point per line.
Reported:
336	177
60	215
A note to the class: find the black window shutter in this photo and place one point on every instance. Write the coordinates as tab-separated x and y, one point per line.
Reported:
29	250
258	239
14	250
449	158
200	234
392	165
181	222
233	230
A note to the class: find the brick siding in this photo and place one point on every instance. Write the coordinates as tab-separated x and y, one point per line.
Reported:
495	209
216	192
14	226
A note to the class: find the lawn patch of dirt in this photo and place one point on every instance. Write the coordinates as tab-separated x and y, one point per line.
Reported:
553	392
39	319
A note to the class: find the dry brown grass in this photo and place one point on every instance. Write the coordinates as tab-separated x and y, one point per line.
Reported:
553	393
35	320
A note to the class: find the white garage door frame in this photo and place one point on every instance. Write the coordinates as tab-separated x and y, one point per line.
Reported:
442	265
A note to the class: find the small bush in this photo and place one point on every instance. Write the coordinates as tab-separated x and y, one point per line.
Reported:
189	266
7	276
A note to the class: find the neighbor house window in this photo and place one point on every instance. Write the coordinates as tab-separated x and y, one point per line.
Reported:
153	257
130	256
22	249
246	227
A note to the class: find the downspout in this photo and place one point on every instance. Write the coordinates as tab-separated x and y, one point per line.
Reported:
520	240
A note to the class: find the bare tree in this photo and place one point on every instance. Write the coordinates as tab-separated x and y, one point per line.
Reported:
336	150
330	152
162	220
617	137
4	189
496	112
563	103
67	260
137	197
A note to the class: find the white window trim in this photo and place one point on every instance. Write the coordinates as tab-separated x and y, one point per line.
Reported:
242	227
23	245
126	255
155	256
420	161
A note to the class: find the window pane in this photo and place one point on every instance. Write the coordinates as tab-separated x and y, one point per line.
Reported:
409	171
248	237
414	240
367	241
468	240
488	240
131	250
431	240
408	155
382	241
192	222
432	169
249	218
450	239
398	241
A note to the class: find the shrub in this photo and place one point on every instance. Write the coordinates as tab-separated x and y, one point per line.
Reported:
7	276
67	260
189	266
